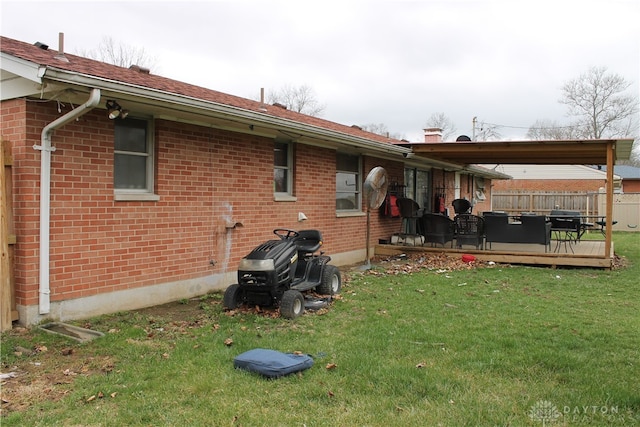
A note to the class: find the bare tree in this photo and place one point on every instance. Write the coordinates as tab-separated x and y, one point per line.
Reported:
380	129
120	54
441	121
301	99
551	130
599	102
486	132
377	128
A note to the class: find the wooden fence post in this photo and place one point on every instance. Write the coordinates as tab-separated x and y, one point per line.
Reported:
5	266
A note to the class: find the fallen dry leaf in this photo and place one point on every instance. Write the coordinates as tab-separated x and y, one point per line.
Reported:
421	365
22	351
91	398
228	342
331	366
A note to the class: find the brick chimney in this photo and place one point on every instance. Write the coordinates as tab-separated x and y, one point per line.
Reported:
432	135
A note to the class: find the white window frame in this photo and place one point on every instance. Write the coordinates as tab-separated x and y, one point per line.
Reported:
284	196
139	194
358	182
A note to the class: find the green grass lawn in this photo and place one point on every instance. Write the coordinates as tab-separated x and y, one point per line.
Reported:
421	346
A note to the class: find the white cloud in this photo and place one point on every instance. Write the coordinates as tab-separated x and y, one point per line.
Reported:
392	62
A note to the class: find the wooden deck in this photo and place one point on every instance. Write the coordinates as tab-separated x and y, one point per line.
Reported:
586	253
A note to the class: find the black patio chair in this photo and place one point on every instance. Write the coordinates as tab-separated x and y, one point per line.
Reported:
409	212
437	229
461	206
469	230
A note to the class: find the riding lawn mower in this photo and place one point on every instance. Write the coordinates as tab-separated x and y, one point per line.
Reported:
277	272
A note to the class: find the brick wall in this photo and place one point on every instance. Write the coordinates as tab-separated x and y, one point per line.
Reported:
25	171
205	178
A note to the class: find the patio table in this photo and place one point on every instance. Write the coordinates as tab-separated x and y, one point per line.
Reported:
588	222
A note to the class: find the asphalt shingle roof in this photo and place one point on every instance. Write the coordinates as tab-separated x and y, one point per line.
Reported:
132	76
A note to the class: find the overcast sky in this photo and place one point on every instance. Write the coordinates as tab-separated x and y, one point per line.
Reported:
391	62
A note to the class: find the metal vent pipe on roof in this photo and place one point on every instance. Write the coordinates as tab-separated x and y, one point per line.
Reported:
60	56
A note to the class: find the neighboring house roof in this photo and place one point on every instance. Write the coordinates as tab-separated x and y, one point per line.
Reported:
625	171
554	172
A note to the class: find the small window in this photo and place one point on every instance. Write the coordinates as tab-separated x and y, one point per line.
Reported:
348	194
133	159
282	170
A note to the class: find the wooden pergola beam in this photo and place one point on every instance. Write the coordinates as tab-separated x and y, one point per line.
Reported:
580	152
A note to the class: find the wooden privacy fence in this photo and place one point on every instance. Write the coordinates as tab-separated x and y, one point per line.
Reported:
8	311
626	207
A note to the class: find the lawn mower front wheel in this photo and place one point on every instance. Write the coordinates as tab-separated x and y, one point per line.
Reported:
331	281
231	299
292	304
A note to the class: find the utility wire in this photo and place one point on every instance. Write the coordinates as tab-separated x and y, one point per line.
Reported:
529	127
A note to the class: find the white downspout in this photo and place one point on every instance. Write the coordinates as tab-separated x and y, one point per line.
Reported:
45	190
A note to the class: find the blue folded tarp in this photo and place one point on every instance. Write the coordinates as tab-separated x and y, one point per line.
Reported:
271	363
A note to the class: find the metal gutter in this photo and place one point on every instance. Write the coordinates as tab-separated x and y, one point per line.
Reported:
219	110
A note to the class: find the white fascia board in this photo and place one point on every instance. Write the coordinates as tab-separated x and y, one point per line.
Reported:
20	67
221	110
18	87
19	77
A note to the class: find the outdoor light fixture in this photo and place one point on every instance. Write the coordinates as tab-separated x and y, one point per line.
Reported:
113	109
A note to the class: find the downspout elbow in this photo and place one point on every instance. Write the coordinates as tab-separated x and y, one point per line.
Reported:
92	102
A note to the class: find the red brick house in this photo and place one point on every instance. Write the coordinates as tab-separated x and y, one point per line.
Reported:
630	176
160	200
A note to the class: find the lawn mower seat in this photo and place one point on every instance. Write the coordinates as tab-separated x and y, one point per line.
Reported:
308	241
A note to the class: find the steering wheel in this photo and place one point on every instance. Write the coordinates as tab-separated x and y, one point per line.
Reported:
285	233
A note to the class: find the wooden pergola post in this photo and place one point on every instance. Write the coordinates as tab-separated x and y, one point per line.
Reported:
609	202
